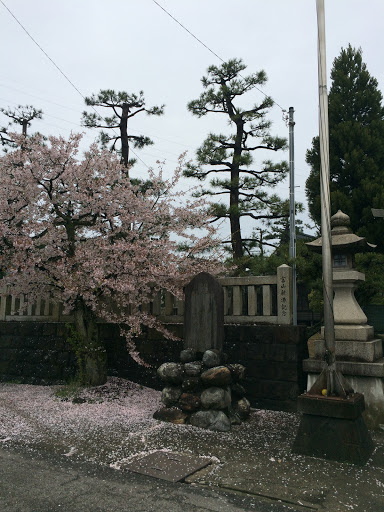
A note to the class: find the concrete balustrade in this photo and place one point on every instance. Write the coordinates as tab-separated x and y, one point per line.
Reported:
247	300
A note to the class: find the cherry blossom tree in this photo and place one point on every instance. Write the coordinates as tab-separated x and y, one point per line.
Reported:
76	231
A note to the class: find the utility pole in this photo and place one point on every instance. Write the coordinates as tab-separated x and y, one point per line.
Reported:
292	221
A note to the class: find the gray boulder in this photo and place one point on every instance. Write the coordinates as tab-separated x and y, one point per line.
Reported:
242	408
189	402
238	390
171	372
191	383
170	395
234	418
215	398
188	355
217	376
211	420
211	358
172	415
193	369
237	371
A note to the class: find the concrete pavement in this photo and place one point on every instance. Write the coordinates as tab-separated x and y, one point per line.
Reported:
32	483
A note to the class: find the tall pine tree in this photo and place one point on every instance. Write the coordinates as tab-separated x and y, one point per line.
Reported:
356	146
122	107
22	115
228	157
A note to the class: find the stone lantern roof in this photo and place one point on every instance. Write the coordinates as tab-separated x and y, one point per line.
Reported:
343	239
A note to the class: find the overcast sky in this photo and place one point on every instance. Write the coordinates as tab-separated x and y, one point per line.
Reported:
133	45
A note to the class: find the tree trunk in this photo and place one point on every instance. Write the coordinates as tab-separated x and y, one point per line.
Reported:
90	352
234	216
124	135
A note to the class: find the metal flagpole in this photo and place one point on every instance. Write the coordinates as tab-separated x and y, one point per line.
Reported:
330	379
329	329
331	411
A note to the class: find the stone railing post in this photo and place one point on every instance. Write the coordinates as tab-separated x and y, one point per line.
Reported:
284	295
3	302
237	301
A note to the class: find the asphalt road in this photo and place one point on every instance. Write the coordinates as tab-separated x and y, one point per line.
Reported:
32	483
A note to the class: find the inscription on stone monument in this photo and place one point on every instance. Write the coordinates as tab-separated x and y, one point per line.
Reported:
204	314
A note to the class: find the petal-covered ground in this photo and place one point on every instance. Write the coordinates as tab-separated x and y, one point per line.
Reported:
112	424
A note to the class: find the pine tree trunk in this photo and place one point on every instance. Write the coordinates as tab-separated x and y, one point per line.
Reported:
237	243
124	135
90	352
234	217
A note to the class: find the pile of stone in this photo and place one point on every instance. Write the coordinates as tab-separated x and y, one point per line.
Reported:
205	392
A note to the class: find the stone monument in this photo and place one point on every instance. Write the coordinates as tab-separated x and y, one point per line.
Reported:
203	389
204	314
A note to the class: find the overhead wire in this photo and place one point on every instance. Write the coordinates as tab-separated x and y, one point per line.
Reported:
80	93
39	97
59	69
42	49
210	50
76	110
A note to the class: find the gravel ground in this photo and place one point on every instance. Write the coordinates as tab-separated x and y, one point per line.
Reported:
110	425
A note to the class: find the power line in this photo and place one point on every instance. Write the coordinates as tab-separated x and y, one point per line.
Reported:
45	53
209	49
74	86
39	97
77	110
58	68
189	32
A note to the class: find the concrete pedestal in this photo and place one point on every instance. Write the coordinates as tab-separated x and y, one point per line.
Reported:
365	378
333	428
346	309
349	349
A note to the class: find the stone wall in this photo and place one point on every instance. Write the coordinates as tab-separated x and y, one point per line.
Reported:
273	358
34	352
153	348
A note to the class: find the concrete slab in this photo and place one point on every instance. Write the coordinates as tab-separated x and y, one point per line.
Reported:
170	466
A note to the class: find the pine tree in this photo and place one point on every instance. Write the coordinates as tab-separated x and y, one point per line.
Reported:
229	157
22	115
123	106
356	145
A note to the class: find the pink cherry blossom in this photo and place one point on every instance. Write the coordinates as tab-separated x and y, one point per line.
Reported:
76	229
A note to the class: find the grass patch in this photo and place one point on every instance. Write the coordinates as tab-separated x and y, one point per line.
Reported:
70	391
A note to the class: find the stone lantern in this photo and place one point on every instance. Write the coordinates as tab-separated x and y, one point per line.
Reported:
332	426
353	337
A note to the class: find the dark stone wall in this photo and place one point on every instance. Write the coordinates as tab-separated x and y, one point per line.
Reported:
153	348
37	353
375	316
273	358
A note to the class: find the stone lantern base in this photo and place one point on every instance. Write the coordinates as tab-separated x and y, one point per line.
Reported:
352	344
366	378
333	428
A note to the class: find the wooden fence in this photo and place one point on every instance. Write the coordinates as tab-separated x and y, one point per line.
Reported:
247	300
